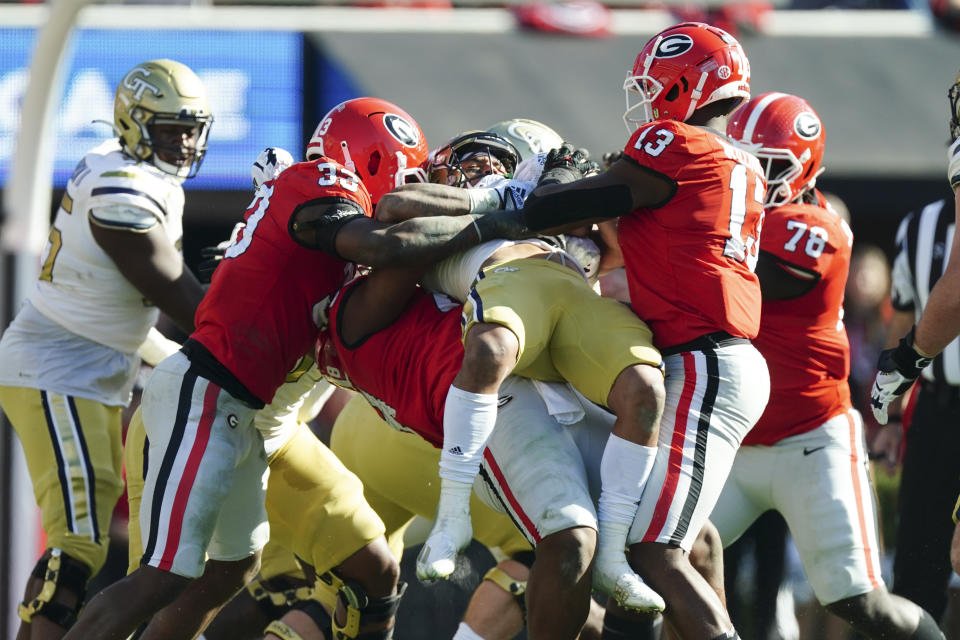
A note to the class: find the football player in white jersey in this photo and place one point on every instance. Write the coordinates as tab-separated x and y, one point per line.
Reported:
536	294
69	359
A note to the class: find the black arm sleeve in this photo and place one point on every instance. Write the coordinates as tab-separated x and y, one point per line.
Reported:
315	224
573	205
780	280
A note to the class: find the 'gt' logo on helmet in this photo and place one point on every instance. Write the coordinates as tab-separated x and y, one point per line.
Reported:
673	46
138	85
401	130
807	125
528	133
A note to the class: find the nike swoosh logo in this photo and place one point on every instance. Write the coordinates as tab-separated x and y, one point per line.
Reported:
808	450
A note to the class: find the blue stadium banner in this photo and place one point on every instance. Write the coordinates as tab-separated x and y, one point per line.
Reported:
254	82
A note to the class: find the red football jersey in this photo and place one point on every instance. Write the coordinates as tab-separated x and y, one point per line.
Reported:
257	317
803	339
690	262
405	370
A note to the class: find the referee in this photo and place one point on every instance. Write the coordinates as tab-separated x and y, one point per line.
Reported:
931	478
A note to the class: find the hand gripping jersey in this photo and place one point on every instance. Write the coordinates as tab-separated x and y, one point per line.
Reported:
803	339
80	287
261	313
690	261
405	370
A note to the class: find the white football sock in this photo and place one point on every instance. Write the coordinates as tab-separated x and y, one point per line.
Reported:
464	632
624	470
468	420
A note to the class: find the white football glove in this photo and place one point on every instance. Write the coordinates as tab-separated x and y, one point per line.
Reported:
269	164
897	368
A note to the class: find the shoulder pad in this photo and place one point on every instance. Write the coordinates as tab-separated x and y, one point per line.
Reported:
125	217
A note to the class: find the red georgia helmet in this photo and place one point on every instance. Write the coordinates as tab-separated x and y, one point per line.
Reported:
682	69
786	134
375	139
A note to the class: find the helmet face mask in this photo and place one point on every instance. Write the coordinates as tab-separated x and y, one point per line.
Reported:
953	94
471	156
162	116
787	135
681	69
375	139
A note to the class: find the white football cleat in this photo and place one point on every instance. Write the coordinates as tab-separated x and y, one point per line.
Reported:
438	557
615	578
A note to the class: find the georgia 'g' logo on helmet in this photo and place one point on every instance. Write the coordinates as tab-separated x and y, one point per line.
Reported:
807	125
673	46
402	130
684	68
786	134
374	138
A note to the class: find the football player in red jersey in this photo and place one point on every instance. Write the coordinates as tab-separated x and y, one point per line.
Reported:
690	206
529	310
806	457
204	489
408	384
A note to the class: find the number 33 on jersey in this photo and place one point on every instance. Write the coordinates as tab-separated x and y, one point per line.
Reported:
694	255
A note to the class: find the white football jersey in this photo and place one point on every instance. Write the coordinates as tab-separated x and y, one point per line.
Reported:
80	287
79	330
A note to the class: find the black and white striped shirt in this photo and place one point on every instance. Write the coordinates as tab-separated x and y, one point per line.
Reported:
923	249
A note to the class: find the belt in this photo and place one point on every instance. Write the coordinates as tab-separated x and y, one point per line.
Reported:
715	340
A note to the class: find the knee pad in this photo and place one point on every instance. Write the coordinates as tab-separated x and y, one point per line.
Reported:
58	571
360	608
516	588
277	595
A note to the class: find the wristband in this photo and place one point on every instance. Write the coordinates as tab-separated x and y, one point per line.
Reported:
484	200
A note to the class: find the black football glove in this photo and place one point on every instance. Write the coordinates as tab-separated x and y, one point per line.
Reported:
897	369
567	164
210	257
610	157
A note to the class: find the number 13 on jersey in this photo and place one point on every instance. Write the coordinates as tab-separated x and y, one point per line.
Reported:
747	191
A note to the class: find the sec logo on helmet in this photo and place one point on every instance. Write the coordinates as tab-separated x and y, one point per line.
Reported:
673	46
402	130
807	125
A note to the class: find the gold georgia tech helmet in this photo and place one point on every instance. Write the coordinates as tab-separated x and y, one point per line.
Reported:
162	92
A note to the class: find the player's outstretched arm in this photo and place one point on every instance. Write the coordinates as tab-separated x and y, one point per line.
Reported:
422	199
421	241
155	267
558	206
940	322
